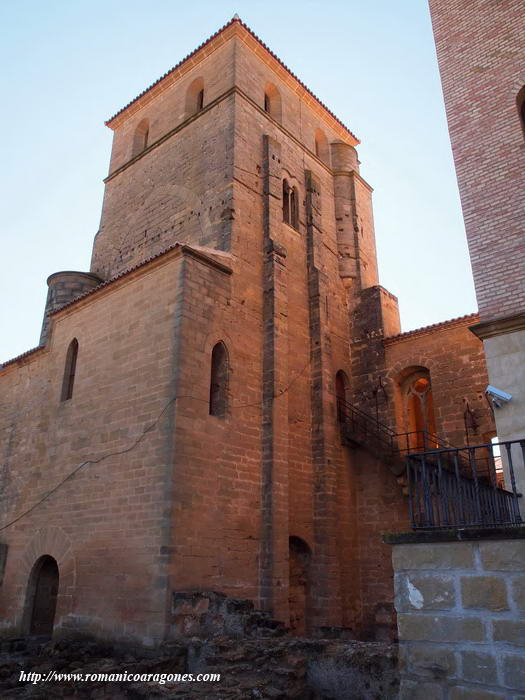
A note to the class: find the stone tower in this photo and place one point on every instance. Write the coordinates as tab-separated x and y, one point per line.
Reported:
178	430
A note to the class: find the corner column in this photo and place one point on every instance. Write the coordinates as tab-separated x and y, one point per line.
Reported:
325	607
274	538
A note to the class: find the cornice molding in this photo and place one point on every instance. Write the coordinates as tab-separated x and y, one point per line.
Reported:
499	326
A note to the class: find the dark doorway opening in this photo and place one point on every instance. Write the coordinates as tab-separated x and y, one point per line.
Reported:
43	596
299	585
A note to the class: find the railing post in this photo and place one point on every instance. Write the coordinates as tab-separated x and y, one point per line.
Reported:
426	493
443	486
515	506
410	496
472	462
491	465
460	491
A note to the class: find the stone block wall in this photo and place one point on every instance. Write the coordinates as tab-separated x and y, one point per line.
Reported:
461	615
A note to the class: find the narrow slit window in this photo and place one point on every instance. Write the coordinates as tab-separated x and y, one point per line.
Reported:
286	202
521	107
70	370
140	138
321	146
219	381
195	97
272	102
294	208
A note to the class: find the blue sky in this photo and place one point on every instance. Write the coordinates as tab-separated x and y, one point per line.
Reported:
68	66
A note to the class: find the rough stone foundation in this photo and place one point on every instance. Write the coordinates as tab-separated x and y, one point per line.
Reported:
250	668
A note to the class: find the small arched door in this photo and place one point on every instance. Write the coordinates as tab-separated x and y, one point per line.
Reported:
44	588
299	584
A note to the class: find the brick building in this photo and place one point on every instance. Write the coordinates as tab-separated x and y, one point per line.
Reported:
186	422
483	78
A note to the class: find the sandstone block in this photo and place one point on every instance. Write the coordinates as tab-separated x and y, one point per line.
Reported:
425	592
479	667
442	555
433	628
518	592
510	631
485	592
514	671
508	555
429	660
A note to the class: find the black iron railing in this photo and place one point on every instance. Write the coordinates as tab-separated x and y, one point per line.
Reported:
461	487
420	441
359	428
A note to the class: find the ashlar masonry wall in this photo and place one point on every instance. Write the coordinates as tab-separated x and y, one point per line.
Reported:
461	614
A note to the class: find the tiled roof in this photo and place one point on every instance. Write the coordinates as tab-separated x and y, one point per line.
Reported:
470	318
198	250
22	356
235	19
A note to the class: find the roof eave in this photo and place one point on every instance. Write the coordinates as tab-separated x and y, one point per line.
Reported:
235	27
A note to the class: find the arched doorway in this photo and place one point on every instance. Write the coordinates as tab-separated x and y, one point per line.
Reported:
43	591
299	584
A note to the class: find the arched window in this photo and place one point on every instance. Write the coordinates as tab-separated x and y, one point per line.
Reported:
69	370
140	138
286	202
219	380
418	409
272	101
195	97
290	205
521	107
341	393
321	145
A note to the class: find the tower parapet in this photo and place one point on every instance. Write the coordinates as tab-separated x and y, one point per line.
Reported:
63	287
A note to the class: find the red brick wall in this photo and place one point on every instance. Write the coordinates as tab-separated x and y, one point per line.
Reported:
458	373
481	54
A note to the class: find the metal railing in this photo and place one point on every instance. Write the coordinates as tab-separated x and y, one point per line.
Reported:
460	487
420	441
358	428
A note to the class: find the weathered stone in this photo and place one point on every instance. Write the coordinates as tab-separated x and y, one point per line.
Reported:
430	660
415	690
518	591
479	667
461	692
503	555
430	592
485	592
285	668
430	628
514	671
510	631
442	555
